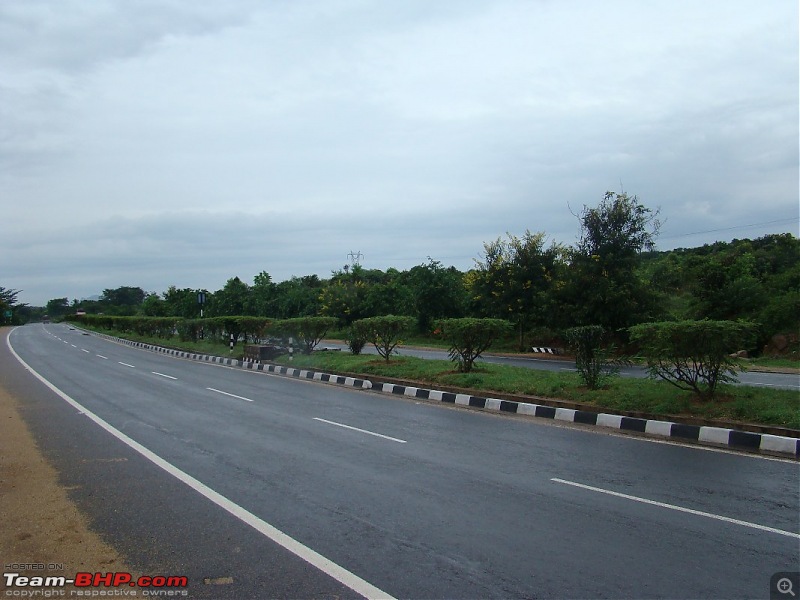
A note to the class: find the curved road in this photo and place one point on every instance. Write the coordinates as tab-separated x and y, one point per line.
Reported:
296	489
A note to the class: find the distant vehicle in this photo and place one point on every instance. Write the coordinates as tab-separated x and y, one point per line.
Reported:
45	319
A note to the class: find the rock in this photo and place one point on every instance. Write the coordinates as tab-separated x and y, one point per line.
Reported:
779	341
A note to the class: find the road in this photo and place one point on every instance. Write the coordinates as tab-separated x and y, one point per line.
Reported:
307	490
788	381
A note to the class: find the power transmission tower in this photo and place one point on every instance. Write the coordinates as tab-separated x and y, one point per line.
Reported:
355	258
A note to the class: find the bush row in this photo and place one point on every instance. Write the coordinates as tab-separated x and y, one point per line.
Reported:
692	355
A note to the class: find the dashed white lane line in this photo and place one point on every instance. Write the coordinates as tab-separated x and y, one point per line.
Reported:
84	350
101	356
126	365
380	435
227	394
678	508
351	580
162	375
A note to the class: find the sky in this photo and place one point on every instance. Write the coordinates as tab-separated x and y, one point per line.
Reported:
184	142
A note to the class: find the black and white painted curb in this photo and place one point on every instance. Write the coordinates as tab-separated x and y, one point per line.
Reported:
253	366
773	444
546	350
716	436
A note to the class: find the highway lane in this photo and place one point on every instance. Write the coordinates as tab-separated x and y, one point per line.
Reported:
447	503
787	381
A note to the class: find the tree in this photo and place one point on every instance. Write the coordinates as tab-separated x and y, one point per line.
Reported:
122	301
182	302
57	307
469	338
154	306
344	296
728	287
514	279
231	300
298	297
437	292
8	303
601	285
263	296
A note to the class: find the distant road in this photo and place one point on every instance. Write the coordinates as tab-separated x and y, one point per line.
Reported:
777	380
279	487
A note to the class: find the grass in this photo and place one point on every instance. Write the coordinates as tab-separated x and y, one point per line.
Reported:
734	403
764	406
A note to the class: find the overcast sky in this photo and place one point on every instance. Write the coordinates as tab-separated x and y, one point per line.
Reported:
184	142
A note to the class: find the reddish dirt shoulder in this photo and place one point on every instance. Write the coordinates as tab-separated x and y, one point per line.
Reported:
40	525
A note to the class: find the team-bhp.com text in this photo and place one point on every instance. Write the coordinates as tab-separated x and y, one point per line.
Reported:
94	585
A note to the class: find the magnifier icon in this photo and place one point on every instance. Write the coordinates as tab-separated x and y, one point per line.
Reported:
784	586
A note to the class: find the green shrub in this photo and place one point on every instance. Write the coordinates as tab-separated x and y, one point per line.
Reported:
693	355
385	332
594	361
355	339
308	331
469	338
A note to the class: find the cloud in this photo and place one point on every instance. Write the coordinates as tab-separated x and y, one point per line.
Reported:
298	131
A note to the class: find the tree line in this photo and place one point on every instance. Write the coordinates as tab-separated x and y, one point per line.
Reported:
612	277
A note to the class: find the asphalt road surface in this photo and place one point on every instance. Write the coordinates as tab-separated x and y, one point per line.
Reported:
789	381
294	489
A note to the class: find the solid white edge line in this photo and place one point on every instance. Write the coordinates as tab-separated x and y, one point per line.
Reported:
231	395
380	435
162	375
678	508
340	574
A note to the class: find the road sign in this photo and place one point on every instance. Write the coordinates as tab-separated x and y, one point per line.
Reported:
7	314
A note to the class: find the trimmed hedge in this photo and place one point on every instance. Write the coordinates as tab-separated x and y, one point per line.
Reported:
694	355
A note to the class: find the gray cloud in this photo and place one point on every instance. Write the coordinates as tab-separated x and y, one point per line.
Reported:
162	143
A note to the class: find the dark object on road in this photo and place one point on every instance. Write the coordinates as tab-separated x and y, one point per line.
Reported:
263	352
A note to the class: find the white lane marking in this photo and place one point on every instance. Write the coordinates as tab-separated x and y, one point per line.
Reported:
231	395
162	375
101	356
84	350
126	365
327	566
380	435
679	508
73	345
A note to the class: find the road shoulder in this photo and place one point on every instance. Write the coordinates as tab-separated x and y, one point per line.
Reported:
40	525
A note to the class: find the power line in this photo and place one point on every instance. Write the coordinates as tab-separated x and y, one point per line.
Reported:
792	219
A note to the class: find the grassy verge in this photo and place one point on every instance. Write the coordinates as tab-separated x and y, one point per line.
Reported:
736	403
764	406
